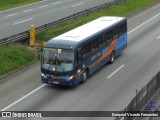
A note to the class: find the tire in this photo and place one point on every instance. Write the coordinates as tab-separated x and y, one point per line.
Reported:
112	58
84	76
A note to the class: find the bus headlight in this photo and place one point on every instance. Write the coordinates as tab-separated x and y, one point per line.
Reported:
70	78
43	75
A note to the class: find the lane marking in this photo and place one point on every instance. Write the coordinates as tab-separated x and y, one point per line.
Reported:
28	10
116	71
57	2
43	6
22	21
77	4
24	6
22	98
144	23
11	15
158	37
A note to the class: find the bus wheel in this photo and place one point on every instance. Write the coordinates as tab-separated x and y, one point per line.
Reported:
112	58
84	77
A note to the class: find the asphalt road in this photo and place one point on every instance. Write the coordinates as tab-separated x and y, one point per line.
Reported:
17	20
110	88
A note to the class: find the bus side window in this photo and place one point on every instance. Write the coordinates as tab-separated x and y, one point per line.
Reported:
109	37
125	27
122	28
102	39
94	44
115	32
121	31
85	50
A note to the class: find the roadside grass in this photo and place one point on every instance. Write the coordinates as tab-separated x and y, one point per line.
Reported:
7	4
14	56
121	9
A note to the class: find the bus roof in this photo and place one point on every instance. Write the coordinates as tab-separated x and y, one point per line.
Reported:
73	38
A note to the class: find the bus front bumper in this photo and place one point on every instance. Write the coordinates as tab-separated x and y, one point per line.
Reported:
59	81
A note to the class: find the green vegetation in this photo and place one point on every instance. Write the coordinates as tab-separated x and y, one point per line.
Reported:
7	4
121	9
14	56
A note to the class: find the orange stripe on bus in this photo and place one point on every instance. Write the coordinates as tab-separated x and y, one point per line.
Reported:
109	51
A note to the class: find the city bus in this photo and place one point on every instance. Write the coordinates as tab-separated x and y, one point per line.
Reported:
70	58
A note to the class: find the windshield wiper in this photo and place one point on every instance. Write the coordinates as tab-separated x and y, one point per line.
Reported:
58	62
62	67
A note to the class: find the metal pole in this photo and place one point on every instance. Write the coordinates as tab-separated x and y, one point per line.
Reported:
43	44
136	98
32	35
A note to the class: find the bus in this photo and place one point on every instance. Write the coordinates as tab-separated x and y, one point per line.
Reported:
70	58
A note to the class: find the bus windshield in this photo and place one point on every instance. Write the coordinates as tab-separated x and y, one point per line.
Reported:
57	60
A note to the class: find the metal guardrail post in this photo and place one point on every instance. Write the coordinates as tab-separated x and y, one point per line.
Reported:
43	44
32	35
136	98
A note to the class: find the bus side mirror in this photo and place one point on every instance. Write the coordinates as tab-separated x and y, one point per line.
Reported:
39	54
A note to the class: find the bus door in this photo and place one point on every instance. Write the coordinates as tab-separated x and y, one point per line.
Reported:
78	65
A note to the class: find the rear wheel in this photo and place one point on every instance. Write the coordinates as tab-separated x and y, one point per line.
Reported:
112	58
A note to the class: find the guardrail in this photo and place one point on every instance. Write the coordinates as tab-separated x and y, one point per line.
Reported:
25	35
142	99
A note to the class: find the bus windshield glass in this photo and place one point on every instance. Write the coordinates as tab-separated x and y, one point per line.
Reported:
57	60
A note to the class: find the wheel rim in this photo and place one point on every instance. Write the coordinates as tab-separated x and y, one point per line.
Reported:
112	58
84	76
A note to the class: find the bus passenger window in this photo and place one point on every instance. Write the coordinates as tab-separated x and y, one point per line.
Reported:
109	37
85	50
115	32
102	40
94	44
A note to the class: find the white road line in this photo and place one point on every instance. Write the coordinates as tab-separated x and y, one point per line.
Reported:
158	37
28	10
11	15
77	4
115	71
57	2
43	6
22	21
24	6
22	98
144	23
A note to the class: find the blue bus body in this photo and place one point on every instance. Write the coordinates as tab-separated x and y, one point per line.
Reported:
84	55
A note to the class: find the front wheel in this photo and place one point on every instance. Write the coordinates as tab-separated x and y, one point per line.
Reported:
112	58
84	76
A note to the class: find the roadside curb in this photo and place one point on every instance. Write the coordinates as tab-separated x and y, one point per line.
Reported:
19	70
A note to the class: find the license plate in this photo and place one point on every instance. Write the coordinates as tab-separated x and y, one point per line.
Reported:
55	82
